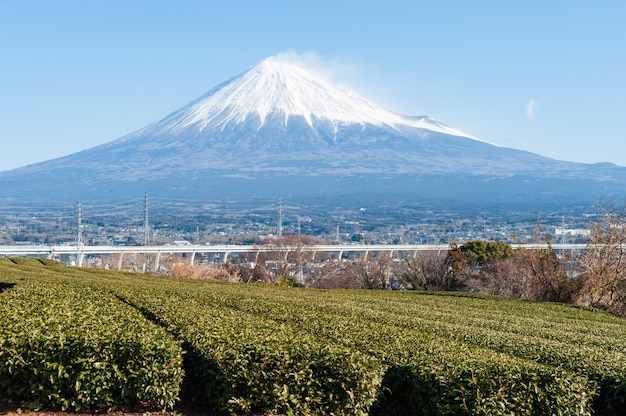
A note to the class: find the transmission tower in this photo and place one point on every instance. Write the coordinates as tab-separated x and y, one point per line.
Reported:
79	215
146	227
280	218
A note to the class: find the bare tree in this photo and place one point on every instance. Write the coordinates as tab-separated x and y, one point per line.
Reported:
499	277
337	275
375	274
427	271
362	273
286	260
604	262
223	272
544	275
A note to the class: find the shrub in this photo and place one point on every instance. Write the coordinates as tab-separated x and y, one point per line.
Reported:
70	347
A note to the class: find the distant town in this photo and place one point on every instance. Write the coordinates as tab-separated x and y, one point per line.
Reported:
147	222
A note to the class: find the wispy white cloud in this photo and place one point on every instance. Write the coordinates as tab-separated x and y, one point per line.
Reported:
352	74
334	70
531	105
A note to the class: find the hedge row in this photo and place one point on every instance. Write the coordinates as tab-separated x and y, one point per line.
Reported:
70	347
426	373
244	363
566	338
255	348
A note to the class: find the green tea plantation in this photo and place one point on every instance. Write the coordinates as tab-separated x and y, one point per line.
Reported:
77	339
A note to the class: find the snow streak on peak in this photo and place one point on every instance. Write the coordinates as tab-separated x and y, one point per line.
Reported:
275	86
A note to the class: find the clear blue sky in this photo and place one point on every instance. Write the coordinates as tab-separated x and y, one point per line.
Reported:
543	76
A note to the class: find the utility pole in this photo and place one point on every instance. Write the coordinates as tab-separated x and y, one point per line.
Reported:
79	215
146	227
280	218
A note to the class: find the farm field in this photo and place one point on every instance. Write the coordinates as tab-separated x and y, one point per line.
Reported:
91	340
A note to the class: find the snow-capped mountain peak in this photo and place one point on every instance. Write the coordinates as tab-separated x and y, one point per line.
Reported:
279	129
275	86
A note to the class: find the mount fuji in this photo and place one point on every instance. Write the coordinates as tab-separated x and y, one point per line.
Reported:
277	129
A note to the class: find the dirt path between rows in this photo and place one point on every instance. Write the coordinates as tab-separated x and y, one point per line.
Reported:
18	412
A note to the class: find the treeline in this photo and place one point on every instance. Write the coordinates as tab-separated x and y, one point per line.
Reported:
594	277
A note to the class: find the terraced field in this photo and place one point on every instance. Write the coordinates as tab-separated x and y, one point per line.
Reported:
85	339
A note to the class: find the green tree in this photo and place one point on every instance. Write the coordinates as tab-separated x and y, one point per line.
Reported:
480	252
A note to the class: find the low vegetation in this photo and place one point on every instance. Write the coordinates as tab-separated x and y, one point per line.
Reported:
67	345
86	339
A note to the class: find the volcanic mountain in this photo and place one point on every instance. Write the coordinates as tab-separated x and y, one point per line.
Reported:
278	129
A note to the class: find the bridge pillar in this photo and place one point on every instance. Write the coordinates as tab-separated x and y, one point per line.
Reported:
119	262
156	262
192	257
225	258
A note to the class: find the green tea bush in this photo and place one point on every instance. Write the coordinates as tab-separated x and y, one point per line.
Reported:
69	347
427	373
247	364
268	349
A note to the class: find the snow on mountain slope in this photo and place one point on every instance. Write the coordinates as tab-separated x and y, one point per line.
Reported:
277	87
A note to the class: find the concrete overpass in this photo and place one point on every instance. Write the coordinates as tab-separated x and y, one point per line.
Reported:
224	252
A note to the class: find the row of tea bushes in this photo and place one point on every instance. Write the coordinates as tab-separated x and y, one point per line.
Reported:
237	363
587	343
245	363
258	348
425	373
68	346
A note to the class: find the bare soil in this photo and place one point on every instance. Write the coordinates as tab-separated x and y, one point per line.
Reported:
13	411
133	412
45	413
19	412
